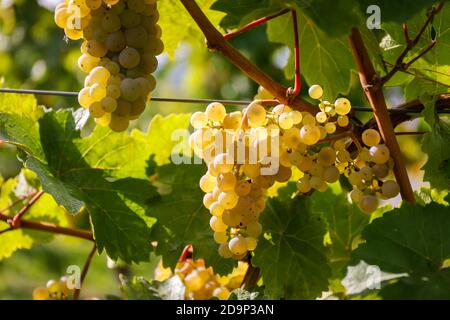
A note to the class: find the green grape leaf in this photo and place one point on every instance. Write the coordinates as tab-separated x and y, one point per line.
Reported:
240	12
345	224
180	26
12	241
291	255
21	104
140	289
412	239
182	218
116	208
324	60
111	152
433	286
435	145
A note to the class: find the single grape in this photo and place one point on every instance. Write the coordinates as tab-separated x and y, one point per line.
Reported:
390	189
238	245
315	91
342	106
215	111
371	137
380	153
368	203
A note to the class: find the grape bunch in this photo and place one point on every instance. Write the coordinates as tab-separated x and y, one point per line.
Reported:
241	148
200	282
121	39
54	290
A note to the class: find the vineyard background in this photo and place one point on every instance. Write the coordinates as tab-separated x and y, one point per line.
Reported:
33	55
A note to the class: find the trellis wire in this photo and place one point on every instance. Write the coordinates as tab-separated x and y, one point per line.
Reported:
189	100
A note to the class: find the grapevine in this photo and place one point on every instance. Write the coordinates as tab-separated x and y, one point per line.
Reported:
121	39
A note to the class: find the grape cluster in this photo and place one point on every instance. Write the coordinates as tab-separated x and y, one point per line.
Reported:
200	282
238	146
370	172
54	290
121	42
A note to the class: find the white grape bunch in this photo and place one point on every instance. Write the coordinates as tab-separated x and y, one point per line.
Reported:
121	39
240	148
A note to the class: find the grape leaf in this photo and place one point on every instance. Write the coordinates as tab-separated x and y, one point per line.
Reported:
324	60
434	286
240	12
435	145
116	208
22	104
111	152
345	223
291	255
412	239
180	26
182	218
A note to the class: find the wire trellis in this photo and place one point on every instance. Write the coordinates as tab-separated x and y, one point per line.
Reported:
194	101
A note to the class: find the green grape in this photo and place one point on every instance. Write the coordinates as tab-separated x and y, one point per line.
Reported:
251	243
390	189
216	209
238	245
118	123
254	229
96	110
99	75
342	106
220	237
207	183
279	109
356	195
296	117
256	114
331	174
115	41
130	90
223	163
208	200
199	120
96	48
111	22
252	171
315	91
93	4
355	178
113	91
41	294
86	62
380	153
97	92
215	112
217	224
368	203
330	128
226	182
136	37
123	108
343	121
310	134
108	104
84	98
285	120
321	117
371	137
224	251
129	58
308	119
231	218
326	156
366	173
233	120
228	200
303	185
283	174
130	19
380	171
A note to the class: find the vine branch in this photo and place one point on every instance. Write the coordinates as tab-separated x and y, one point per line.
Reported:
15	222
84	272
50	227
410	44
216	41
373	90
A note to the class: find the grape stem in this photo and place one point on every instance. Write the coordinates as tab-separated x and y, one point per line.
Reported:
216	41
370	81
252	275
84	272
410	44
15	222
49	227
291	93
